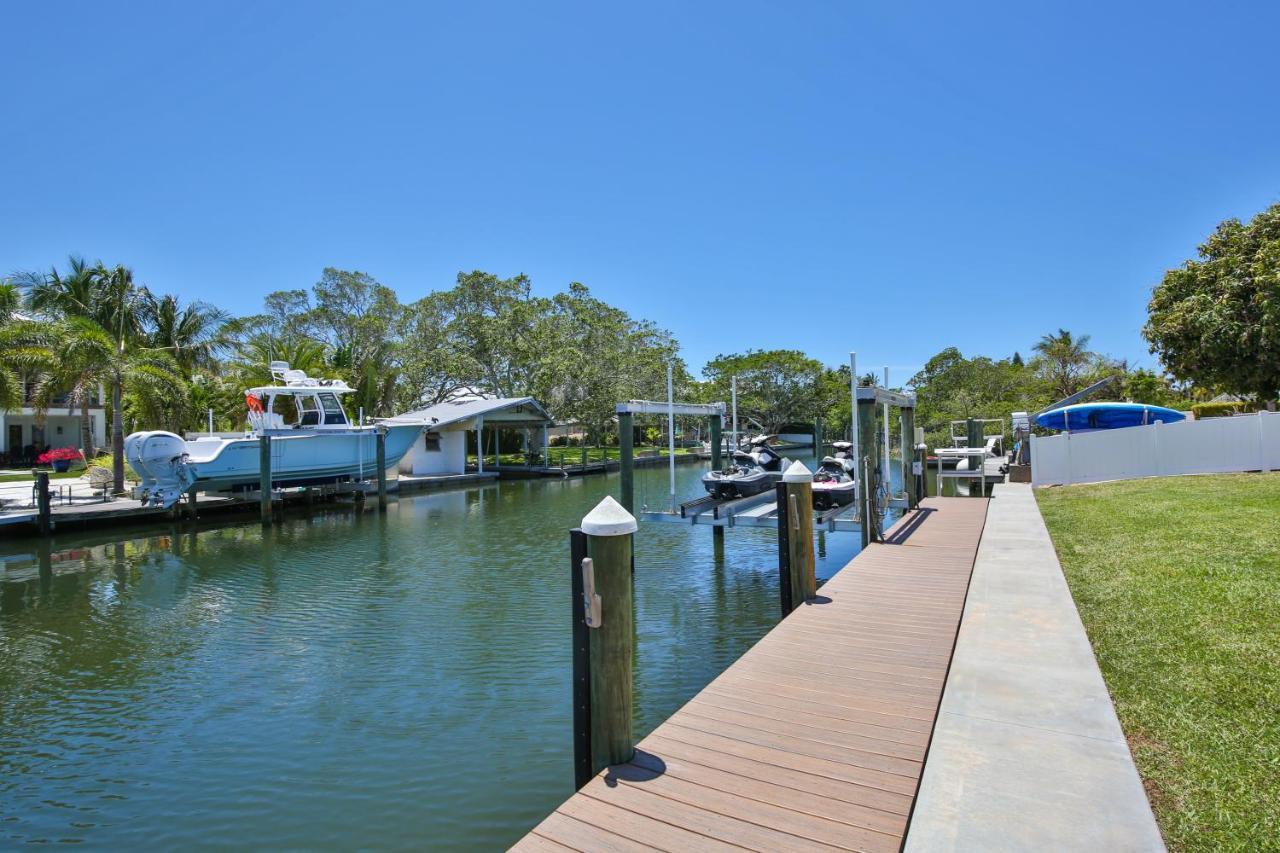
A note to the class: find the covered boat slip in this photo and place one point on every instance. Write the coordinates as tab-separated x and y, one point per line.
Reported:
816	737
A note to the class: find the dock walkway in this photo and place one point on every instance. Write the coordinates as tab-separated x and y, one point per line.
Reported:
815	739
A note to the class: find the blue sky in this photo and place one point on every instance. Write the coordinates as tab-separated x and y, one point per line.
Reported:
890	178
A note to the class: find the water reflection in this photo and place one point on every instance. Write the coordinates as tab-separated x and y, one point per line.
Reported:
316	682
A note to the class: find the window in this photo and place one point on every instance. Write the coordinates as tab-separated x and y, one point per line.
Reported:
286	406
333	414
431	441
310	412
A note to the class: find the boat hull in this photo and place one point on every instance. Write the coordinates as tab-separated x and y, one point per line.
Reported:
298	460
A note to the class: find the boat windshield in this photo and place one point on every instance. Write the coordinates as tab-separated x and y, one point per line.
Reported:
333	413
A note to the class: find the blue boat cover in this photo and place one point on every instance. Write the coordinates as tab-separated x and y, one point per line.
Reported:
1083	417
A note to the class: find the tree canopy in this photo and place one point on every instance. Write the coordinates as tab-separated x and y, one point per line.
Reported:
1215	320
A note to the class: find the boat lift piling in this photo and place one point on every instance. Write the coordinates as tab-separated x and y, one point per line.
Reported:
264	477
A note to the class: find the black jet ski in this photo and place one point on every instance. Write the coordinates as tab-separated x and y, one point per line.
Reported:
749	473
833	481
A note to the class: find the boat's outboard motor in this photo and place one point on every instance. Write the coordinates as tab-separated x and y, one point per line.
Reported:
160	458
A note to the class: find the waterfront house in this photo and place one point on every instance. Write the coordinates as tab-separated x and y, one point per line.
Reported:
26	431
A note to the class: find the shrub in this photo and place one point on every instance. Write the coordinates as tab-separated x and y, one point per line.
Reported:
1223	410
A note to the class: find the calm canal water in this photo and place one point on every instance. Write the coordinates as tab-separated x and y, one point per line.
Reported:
342	680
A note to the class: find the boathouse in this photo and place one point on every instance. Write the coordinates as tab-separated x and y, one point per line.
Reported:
442	447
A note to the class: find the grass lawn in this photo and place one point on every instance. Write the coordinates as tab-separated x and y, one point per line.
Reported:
1178	583
573	455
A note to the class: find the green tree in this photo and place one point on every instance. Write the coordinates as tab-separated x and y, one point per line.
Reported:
774	386
1215	320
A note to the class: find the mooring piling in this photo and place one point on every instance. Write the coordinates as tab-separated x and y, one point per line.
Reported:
381	440
264	477
797	579
43	502
909	472
717	532
974	438
868	463
601	553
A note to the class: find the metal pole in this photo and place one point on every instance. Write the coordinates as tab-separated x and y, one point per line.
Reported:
211	421
885	475
853	420
671	437
733	384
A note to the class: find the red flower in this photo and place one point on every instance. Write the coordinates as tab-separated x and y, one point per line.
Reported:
59	454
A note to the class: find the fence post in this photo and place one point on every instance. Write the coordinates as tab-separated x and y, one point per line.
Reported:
264	477
797	490
608	607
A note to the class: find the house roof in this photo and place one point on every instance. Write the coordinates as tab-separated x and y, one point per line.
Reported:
512	411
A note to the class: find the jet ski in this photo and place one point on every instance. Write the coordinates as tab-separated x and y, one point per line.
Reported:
833	481
750	472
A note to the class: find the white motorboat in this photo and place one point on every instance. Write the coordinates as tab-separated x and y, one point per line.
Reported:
313	442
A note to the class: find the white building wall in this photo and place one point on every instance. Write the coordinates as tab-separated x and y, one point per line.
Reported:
451	458
54	421
1213	445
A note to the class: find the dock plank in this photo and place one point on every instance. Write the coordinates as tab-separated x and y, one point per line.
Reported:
816	738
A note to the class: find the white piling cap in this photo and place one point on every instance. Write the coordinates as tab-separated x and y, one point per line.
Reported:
797	473
608	519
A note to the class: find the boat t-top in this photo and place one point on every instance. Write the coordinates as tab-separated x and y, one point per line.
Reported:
313	442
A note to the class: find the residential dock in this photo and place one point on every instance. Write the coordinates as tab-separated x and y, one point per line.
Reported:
827	734
816	737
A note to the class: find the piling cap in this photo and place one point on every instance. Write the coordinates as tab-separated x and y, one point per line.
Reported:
797	473
609	518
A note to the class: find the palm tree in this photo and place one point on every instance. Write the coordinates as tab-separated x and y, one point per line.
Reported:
194	334
1064	358
26	352
119	309
55	295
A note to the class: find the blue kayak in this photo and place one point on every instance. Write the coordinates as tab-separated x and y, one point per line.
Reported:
1083	417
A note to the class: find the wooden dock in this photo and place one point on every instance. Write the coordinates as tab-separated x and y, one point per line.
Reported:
816	738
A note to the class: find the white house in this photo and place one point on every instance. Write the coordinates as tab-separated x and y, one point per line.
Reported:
442	447
24	433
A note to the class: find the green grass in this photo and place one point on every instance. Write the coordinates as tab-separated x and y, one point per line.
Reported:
573	455
29	478
1178	583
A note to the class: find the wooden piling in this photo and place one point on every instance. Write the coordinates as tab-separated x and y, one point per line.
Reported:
582	763
626	452
867	438
909	470
43	503
264	477
191	504
798	583
382	468
717	532
974	438
609	606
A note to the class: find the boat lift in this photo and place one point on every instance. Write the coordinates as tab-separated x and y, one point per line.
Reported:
761	510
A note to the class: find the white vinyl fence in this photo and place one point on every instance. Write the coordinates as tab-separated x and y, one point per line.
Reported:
1210	446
